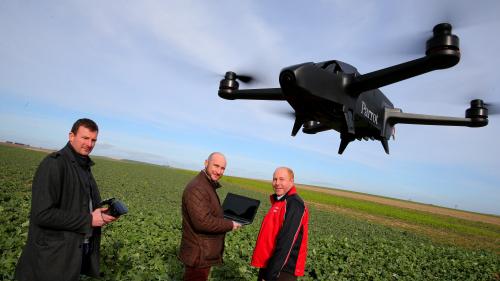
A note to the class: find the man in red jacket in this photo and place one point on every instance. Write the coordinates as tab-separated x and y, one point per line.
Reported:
281	248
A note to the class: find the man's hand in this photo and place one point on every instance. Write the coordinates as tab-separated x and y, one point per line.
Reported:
100	218
107	218
236	225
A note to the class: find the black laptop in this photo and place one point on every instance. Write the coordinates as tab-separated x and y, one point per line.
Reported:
239	208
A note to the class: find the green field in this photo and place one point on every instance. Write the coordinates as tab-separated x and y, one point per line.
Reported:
143	244
489	234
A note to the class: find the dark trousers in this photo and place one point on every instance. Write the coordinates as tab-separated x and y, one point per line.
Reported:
284	276
196	274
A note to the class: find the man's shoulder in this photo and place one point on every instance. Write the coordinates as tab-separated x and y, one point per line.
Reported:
55	159
199	180
295	200
52	164
197	184
54	155
192	182
52	158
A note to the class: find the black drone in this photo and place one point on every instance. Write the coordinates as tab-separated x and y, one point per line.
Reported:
333	95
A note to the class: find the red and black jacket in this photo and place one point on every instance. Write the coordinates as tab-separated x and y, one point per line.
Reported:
282	241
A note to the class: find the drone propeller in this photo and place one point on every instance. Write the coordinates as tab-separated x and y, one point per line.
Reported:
460	14
245	78
493	108
242	77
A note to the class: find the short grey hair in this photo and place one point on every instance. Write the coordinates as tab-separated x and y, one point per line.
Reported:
289	171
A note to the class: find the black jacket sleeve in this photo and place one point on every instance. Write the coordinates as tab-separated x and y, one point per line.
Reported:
47	210
286	238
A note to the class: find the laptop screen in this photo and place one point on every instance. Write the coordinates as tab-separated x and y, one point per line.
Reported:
240	208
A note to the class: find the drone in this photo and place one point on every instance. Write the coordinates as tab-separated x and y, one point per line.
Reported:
333	95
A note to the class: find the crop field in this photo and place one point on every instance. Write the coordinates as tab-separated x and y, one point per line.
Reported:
350	239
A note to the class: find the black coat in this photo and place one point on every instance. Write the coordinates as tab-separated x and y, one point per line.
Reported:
59	221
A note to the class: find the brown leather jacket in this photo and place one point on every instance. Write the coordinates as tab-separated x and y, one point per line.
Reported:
203	224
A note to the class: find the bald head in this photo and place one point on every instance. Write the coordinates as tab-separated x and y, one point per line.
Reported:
215	154
215	165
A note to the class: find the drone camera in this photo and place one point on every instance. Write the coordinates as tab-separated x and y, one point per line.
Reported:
309	127
287	78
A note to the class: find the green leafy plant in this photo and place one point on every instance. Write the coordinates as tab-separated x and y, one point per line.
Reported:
143	244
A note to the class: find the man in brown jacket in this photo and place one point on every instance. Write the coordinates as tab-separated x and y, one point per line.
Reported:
203	225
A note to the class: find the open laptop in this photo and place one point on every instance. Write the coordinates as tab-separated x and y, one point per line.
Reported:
239	208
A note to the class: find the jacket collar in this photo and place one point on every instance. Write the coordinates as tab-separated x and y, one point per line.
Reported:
214	184
290	192
75	157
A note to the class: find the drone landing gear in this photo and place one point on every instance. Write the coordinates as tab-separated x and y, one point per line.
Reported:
299	121
346	138
385	144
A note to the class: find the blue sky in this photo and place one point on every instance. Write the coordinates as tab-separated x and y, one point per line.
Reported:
148	73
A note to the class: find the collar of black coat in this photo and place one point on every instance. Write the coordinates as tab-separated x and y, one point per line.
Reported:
214	184
83	160
290	192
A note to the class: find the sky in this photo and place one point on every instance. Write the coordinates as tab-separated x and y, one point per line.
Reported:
148	73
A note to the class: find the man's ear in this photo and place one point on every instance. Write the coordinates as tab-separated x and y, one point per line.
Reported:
206	164
71	137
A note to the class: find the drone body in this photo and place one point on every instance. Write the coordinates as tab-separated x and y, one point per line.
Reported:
333	95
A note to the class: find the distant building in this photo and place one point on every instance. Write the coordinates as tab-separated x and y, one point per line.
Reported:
21	144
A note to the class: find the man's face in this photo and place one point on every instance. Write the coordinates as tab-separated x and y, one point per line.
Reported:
215	166
282	182
83	141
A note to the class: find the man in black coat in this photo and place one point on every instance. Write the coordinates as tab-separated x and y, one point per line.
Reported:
65	225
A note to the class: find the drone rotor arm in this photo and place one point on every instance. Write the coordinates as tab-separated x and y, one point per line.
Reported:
442	52
252	94
394	116
400	72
